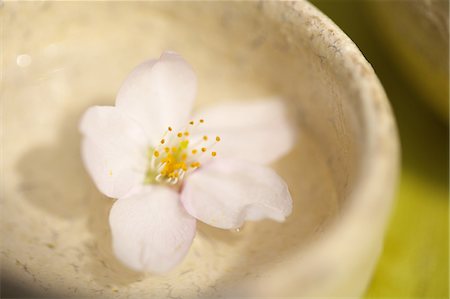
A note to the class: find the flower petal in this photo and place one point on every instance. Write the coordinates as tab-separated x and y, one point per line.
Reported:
151	231
254	131
113	150
159	93
226	192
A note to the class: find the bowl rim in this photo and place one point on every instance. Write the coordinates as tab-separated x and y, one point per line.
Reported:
373	195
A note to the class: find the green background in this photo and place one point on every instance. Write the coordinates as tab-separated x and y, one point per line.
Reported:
414	262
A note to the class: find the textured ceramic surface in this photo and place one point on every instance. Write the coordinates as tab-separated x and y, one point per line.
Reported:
414	263
59	58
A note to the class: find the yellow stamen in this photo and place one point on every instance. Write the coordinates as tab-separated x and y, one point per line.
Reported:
169	164
184	144
173	174
195	164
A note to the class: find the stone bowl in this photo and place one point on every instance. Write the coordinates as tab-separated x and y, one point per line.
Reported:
61	57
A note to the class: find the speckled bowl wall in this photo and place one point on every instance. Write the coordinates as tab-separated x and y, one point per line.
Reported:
59	58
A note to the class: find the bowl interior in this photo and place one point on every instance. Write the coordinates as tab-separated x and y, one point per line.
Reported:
74	55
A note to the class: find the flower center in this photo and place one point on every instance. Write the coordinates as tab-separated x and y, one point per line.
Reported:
177	155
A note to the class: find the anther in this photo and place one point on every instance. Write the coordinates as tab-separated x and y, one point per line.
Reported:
171	161
195	164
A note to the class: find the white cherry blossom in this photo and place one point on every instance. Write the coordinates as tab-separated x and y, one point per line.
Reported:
169	167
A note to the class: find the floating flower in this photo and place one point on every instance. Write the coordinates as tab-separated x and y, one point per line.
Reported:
168	168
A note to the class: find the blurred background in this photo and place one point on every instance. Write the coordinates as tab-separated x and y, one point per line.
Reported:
407	44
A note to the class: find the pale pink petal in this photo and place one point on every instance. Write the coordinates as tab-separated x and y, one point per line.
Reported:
159	93
226	192
113	150
255	131
151	231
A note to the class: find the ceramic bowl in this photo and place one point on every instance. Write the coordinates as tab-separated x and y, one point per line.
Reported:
62	57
